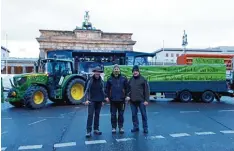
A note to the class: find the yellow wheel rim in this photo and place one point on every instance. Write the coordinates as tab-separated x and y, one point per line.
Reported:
38	97
77	91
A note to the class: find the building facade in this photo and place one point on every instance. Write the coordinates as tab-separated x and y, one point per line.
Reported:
18	65
11	65
83	40
86	38
169	55
4	52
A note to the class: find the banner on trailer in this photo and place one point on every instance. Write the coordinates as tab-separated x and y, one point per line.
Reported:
176	73
208	61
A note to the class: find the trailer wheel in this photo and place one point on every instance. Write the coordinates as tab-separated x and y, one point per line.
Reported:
208	96
185	96
35	97
75	91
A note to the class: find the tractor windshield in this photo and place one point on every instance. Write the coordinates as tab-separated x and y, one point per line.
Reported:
57	67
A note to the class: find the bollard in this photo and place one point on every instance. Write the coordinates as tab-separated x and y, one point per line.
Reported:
2	94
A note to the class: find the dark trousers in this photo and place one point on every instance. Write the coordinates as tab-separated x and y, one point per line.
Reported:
94	108
134	108
120	107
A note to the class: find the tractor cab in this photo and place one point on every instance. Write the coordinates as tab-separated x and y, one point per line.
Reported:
59	67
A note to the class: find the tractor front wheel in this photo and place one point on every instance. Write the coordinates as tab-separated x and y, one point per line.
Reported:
75	91
35	97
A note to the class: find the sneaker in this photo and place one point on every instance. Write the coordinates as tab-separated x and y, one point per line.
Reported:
121	130
135	130
146	131
97	132
88	134
113	130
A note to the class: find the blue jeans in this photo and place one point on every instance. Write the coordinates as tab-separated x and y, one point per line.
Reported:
134	108
117	106
94	108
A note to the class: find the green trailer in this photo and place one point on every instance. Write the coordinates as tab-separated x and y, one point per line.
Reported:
184	82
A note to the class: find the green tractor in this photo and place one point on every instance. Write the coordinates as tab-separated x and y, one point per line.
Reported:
54	79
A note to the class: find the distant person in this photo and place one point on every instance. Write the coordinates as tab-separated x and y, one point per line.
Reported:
95	98
116	92
139	94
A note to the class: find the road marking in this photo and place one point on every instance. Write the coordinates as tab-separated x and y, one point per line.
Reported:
179	135
124	139
66	113
51	117
5	132
30	147
65	144
155	137
7	118
104	114
189	111
3	148
37	122
95	142
204	133
227	132
226	110
148	113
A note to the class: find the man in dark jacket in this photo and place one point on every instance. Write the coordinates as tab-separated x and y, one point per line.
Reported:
139	94
116	92
95	98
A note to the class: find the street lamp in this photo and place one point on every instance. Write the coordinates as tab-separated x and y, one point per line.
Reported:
184	42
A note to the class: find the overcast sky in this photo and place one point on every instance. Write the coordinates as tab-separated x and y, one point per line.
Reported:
208	23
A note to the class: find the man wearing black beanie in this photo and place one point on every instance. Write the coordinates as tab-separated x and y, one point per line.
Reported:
138	95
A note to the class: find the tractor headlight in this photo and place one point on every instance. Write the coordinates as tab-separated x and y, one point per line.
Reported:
13	93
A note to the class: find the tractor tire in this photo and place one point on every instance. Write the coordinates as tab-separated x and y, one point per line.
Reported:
208	96
185	96
75	92
35	97
18	104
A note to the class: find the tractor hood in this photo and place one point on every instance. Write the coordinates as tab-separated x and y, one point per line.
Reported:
30	78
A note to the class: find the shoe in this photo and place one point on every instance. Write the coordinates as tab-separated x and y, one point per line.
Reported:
113	130
145	131
97	132
88	134
135	130
121	130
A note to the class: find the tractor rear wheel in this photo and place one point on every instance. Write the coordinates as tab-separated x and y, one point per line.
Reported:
17	104
35	97
75	91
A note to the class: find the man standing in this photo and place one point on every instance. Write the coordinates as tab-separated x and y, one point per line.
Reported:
95	97
139	96
116	92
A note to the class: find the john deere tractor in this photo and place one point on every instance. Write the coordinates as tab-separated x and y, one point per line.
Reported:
54	79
